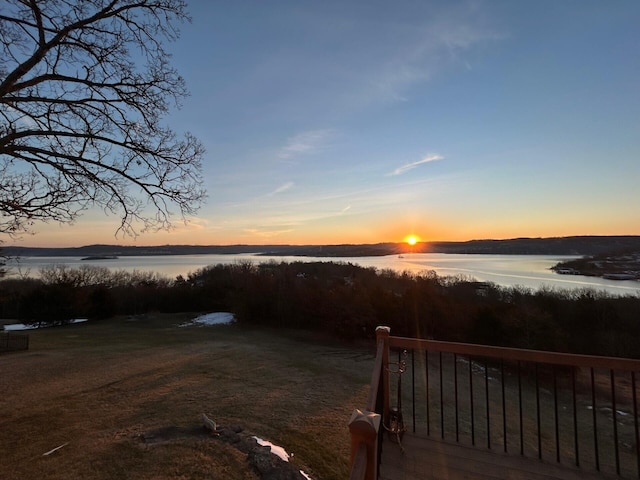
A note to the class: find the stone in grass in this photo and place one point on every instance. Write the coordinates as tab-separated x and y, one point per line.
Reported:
231	435
270	466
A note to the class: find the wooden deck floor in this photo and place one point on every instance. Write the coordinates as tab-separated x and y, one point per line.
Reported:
428	458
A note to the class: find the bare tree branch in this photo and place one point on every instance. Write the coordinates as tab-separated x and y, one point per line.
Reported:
84	88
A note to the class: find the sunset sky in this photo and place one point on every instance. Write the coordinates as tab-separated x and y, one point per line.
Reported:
364	121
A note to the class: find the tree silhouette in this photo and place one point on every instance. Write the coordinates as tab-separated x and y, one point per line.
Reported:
84	88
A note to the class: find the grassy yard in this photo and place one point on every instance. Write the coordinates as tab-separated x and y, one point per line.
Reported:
99	386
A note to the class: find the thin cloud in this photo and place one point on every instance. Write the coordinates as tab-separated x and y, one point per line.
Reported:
282	188
192	224
305	143
422	53
409	166
268	233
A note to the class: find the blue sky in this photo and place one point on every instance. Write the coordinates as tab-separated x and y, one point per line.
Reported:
364	121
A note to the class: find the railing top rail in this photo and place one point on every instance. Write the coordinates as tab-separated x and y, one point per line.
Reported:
538	356
375	378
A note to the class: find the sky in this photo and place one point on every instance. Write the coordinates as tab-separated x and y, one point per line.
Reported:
333	122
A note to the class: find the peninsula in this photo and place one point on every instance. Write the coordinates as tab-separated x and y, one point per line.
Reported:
613	266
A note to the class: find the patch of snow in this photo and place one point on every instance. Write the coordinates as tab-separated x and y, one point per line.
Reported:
279	451
16	327
275	449
609	410
216	318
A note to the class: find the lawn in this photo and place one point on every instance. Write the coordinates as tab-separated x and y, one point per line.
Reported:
99	388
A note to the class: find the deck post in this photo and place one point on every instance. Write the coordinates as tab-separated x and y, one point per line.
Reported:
364	427
382	335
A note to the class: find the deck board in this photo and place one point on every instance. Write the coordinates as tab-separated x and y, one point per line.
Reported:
429	458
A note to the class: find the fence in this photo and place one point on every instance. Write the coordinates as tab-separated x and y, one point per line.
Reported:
13	342
570	409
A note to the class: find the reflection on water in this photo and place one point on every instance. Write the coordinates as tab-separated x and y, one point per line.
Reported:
531	271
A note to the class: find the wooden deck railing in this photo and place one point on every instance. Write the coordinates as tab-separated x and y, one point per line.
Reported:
13	342
570	409
364	426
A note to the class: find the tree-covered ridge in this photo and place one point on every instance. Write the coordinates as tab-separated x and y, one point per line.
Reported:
343	300
582	245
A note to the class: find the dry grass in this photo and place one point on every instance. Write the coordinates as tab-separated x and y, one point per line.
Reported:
100	386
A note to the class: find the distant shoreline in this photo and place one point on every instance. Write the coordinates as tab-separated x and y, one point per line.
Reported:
576	245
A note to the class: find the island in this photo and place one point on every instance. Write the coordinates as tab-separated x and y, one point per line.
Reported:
100	257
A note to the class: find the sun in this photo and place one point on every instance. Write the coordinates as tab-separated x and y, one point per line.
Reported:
411	239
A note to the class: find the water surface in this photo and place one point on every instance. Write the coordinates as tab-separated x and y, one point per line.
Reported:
531	271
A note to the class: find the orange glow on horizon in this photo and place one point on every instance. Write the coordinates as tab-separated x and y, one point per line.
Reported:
93	229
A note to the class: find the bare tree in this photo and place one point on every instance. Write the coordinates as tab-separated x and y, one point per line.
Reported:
84	88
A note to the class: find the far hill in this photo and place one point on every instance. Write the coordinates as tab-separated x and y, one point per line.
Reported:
577	245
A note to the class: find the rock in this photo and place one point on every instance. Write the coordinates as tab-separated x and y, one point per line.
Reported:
209	424
270	466
229	436
267	465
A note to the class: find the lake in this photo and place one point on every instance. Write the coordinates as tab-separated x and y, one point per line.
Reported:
532	271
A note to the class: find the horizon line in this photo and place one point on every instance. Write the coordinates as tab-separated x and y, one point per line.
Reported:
422	242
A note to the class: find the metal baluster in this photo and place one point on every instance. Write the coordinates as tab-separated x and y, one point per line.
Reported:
555	411
413	388
614	415
473	429
455	387
441	401
520	408
575	417
486	399
635	419
595	422
426	362
504	406
538	413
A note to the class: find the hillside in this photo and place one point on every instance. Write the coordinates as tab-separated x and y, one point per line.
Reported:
578	245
